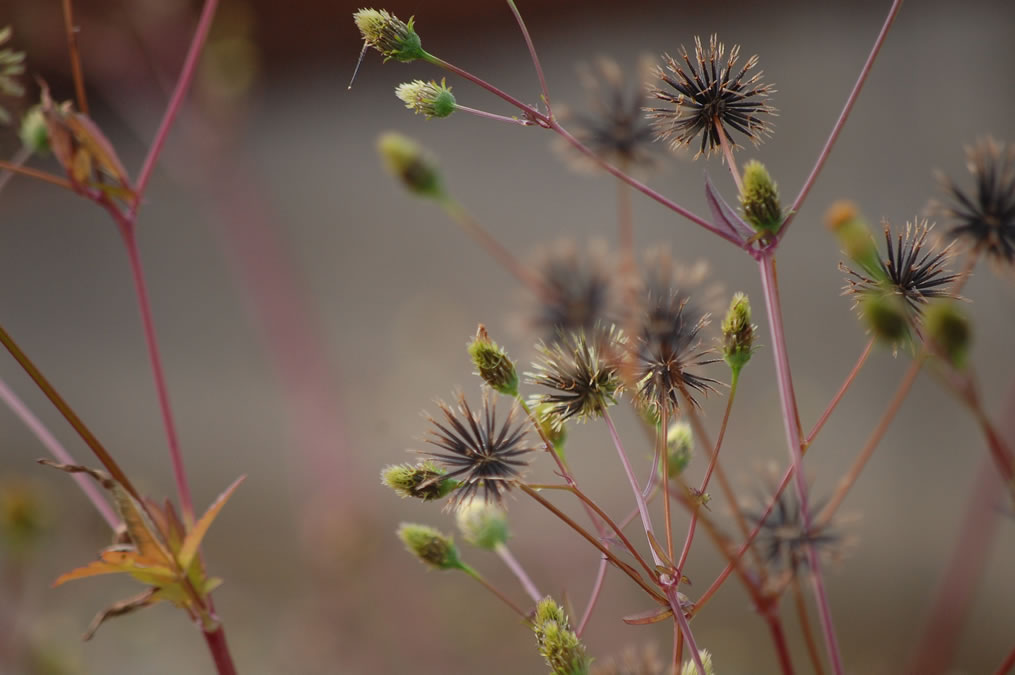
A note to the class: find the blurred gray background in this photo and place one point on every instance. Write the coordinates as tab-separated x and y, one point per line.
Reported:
308	310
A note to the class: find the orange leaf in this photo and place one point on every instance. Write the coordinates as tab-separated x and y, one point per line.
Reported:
94	568
193	539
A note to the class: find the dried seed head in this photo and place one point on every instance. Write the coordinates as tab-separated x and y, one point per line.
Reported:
412	165
427	98
483	525
493	364
425	481
949	331
738	333
433	548
709	94
583	372
759	198
386	33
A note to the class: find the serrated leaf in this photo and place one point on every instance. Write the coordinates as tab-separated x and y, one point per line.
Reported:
193	539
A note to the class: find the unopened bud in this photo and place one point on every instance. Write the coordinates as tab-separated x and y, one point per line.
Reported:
386	33
482	524
680	448
949	331
759	198
558	644
493	364
427	98
885	317
421	481
738	333
691	668
855	238
411	164
429	545
33	132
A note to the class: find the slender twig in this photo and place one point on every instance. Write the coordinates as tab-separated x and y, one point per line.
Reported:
956	590
35	173
516	568
175	103
23	154
530	112
1007	665
663	448
625	223
54	447
496	591
534	56
597	588
779	639
838	396
493	116
841	121
646	520
727	151
713	462
75	55
68	413
685	629
790	421
219	649
805	625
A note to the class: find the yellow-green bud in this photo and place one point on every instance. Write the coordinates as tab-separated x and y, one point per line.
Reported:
427	98
738	333
392	37
482	524
680	448
420	481
691	668
949	331
33	132
411	164
493	364
885	316
759	198
855	238
429	545
558	644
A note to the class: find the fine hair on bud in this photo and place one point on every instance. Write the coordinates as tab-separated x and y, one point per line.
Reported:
493	364
759	198
738	333
411	164
427	98
425	481
558	644
430	546
482	524
389	35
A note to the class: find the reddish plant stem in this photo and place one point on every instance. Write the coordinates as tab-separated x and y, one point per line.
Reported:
779	640
493	116
958	584
842	392
841	121
646	520
54	447
789	414
75	55
685	629
533	55
516	568
495	591
530	112
1007	665
727	151
35	173
219	649
805	626
597	588
664	452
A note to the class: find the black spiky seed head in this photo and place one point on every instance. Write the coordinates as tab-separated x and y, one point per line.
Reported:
912	269
582	370
709	94
485	457
783	540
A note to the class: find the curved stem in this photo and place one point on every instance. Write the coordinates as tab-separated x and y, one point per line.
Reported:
516	568
75	56
789	415
493	116
54	447
597	588
646	520
841	121
533	55
529	111
1007	665
496	591
842	392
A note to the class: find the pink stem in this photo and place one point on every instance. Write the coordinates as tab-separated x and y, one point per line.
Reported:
597	589
685	629
519	571
529	111
842	392
493	116
789	418
54	447
534	55
175	103
646	521
219	649
839	123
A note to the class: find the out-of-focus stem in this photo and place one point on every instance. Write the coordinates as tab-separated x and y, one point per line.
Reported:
805	626
533	55
646	520
516	568
597	588
496	591
75	56
35	173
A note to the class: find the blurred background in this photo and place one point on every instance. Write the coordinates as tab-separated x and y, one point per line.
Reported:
308	310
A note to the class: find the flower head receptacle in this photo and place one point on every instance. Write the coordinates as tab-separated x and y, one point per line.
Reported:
432	547
427	98
389	35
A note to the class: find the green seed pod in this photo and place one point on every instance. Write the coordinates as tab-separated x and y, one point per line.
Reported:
759	198
420	481
738	333
493	364
885	317
392	37
411	164
427	98
429	545
949	331
482	524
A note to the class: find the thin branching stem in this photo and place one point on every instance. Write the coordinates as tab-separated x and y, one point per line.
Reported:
779	640
727	152
843	116
597	589
805	625
516	568
533	55
495	591
790	421
685	629
38	175
646	519
1008	665
838	396
75	55
493	116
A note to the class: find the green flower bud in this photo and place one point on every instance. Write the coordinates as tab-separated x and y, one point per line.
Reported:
691	668
33	132
411	164
483	524
680	448
738	333
421	481
431	546
759	198
949	331
558	644
493	364
855	238
427	98
390	36
885	317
